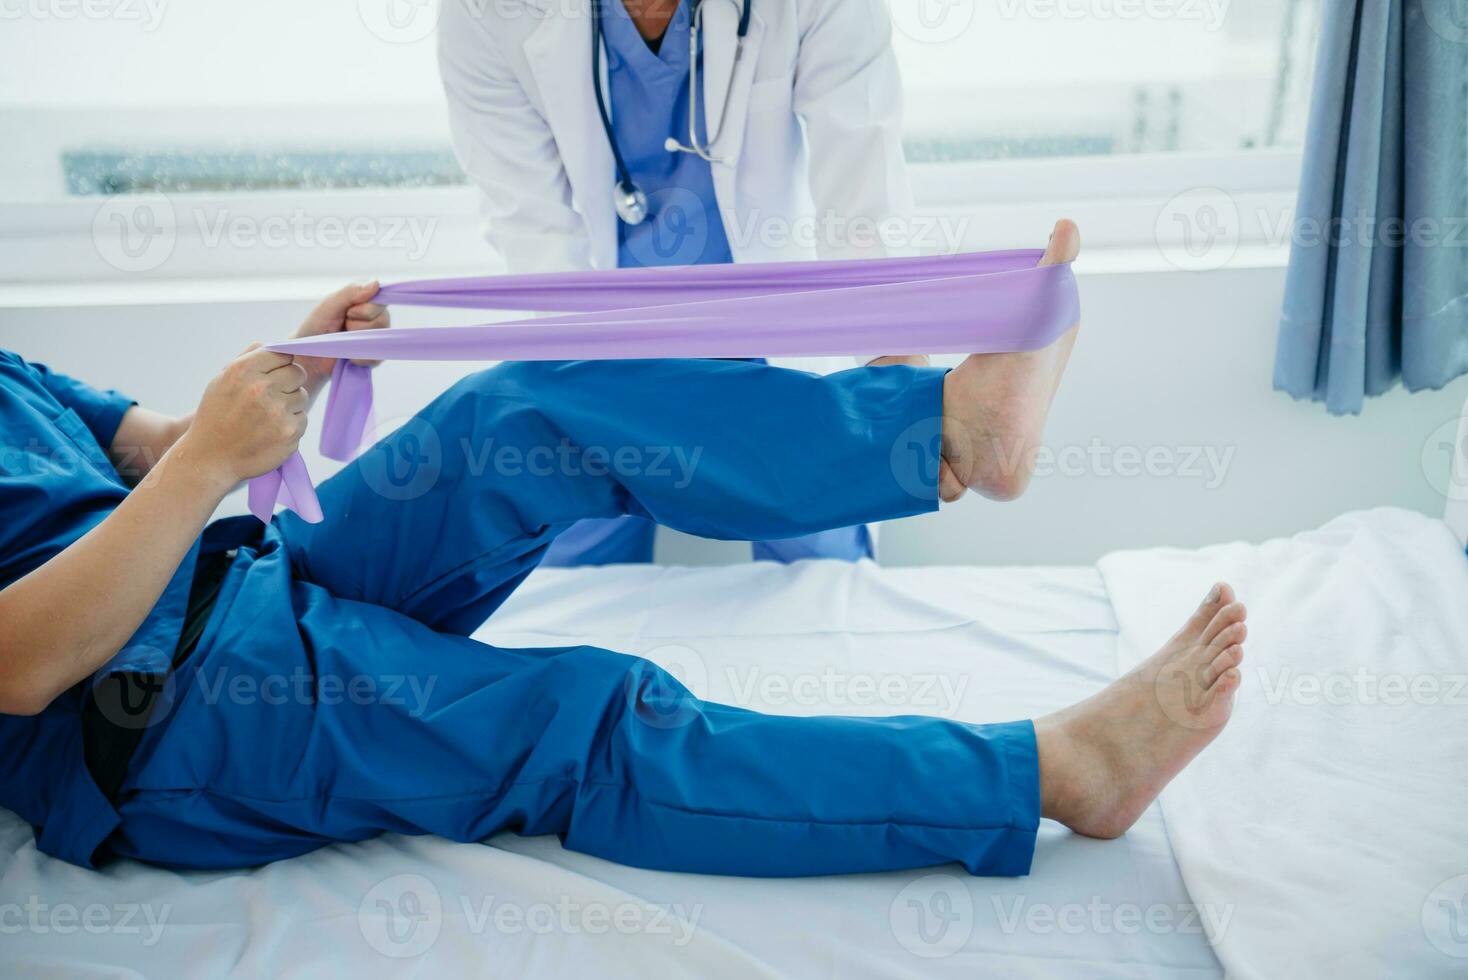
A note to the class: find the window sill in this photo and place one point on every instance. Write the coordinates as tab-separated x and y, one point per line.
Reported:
1137	214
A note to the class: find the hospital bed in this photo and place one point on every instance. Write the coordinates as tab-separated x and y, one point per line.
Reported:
1321	835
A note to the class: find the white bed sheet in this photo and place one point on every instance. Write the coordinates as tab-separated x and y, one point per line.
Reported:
1327	819
974	644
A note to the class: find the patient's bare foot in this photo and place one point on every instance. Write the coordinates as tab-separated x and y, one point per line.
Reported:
1103	761
994	405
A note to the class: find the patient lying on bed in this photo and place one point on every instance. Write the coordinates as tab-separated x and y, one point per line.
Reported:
226	694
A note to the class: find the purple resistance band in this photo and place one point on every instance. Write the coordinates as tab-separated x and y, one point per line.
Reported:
975	303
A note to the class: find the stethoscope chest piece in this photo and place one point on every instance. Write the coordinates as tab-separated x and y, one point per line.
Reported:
630	202
627	197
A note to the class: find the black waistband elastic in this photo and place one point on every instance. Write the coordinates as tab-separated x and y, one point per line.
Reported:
119	707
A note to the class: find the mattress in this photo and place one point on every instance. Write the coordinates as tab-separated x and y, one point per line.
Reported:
977	644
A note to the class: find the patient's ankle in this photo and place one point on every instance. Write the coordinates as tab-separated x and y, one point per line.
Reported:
995	406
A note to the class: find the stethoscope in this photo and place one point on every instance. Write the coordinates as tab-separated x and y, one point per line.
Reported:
627	197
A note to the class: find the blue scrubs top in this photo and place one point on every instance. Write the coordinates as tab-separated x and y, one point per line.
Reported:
649	99
56	484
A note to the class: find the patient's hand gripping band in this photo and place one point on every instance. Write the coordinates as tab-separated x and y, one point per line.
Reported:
977	303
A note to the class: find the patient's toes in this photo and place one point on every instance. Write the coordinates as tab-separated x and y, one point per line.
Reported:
1064	244
1218	596
1225	661
1230	614
1228	637
1227	683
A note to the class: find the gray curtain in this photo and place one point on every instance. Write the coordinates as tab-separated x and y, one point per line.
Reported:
1378	279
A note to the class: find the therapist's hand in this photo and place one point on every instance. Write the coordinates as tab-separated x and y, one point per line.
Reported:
250	420
349	308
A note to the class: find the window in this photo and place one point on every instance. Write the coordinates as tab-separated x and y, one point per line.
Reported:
107	96
991	79
176	141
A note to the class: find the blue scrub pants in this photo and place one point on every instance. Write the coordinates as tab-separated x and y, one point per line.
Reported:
629	539
336	694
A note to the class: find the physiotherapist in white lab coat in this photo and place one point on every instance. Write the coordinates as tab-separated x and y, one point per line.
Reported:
573	119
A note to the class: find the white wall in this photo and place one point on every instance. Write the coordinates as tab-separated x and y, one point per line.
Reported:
1168	362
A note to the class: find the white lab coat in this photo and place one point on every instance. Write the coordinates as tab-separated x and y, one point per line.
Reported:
812	143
